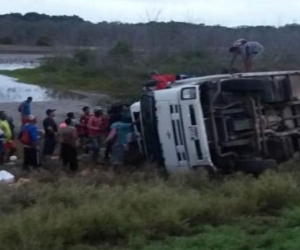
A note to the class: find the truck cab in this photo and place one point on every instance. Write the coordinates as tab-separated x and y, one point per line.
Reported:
225	121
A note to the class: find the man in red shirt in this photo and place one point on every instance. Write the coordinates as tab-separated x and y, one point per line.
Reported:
82	129
162	80
95	132
83	122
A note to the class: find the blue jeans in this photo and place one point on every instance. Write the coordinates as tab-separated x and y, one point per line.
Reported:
117	154
96	144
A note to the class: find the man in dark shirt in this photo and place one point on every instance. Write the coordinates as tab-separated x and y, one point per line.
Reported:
51	130
69	136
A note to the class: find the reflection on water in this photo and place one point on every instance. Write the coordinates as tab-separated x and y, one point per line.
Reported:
13	66
13	91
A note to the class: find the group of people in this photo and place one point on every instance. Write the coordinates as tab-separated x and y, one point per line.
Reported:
94	130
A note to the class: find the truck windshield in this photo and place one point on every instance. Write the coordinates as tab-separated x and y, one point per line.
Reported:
149	120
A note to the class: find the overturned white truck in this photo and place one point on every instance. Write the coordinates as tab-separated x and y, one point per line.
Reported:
247	121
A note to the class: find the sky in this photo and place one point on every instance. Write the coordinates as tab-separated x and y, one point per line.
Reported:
211	12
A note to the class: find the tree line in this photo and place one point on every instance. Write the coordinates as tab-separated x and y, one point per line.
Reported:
163	39
73	30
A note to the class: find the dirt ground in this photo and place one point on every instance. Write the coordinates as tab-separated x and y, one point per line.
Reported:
62	108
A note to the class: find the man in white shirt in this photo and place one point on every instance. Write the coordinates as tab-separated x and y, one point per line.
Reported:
247	50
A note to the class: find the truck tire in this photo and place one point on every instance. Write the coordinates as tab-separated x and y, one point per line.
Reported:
255	167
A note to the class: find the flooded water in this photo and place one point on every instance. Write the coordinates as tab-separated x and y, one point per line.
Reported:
13	91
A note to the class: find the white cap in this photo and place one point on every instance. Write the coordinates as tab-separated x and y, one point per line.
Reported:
239	42
31	118
98	108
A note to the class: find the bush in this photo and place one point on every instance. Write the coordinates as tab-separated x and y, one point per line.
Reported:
101	210
6	40
121	55
44	41
84	57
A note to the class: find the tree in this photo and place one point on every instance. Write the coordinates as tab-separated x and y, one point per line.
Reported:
84	57
44	41
6	40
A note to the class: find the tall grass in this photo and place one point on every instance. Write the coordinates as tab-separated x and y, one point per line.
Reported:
87	213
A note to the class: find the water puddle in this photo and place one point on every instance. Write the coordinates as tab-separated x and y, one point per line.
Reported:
13	91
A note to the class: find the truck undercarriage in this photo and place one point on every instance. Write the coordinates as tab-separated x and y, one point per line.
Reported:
252	123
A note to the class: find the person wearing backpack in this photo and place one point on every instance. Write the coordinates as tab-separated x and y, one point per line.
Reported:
25	110
29	138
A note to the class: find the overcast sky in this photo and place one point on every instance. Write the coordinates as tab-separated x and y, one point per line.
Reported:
223	12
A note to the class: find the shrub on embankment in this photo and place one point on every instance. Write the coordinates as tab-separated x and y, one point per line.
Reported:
87	212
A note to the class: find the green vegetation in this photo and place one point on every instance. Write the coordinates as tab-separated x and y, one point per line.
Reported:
121	72
6	40
142	211
44	41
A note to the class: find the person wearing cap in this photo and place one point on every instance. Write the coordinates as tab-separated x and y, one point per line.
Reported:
247	50
162	81
68	139
29	138
95	131
51	130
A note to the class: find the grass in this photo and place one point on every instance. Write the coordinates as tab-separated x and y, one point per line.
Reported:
143	211
117	86
120	73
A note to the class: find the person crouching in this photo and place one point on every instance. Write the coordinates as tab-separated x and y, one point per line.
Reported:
69	137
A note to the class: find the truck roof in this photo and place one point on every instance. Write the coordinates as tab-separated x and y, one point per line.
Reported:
202	79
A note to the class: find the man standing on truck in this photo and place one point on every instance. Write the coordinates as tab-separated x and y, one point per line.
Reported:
247	50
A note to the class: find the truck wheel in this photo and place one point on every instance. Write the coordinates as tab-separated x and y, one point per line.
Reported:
255	167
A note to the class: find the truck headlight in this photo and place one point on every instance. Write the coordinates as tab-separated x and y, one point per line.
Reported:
188	93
